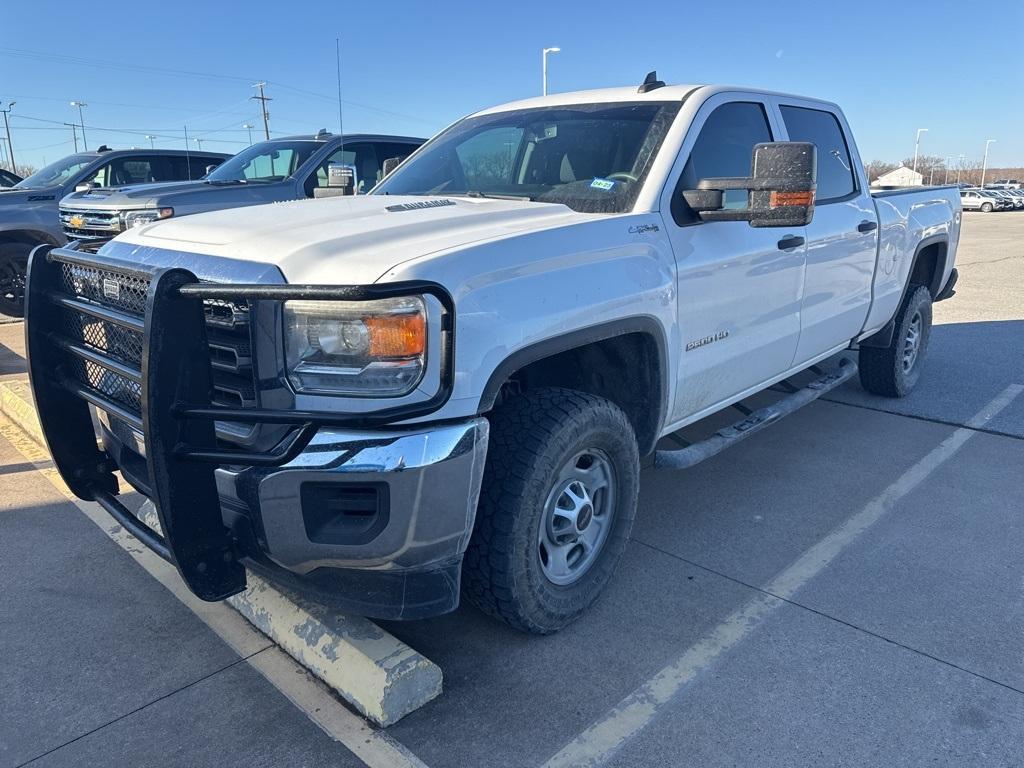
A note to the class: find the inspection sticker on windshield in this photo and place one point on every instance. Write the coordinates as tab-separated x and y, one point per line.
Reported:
605	184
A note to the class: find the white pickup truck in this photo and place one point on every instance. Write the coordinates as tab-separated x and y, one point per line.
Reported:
451	382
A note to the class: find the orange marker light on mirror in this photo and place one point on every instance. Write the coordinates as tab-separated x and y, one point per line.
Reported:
783	199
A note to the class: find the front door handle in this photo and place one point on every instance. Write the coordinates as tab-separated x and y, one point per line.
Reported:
867	226
793	241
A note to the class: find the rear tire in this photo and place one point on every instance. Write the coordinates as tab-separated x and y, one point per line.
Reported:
894	370
556	507
13	264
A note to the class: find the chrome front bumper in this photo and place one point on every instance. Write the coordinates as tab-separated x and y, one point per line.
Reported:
428	478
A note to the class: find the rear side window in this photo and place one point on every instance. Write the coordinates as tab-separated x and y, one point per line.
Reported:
835	169
724	147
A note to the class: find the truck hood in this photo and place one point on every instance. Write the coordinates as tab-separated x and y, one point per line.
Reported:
349	239
12	196
134	196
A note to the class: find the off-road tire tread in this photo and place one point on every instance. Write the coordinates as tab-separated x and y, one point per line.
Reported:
520	429
880	368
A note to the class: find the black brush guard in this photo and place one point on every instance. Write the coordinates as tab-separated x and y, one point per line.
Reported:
177	416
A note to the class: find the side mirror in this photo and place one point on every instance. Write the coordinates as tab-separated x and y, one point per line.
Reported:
780	189
389	165
210	169
85	186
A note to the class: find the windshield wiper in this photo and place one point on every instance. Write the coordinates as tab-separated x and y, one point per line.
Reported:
495	196
224	182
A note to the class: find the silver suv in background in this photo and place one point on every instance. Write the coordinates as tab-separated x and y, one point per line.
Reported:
983	200
271	171
28	210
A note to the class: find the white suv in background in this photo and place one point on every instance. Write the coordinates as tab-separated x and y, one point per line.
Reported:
982	200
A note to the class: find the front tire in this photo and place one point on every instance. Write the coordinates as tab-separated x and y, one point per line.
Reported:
556	508
986	208
13	264
894	370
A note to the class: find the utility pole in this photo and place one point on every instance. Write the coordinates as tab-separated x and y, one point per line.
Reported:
262	99
7	125
917	143
984	163
150	137
949	160
544	68
81	120
74	133
248	127
200	143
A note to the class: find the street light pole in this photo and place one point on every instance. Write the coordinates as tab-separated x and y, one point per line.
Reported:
917	143
959	167
249	128
544	67
150	137
949	159
984	163
200	143
81	121
7	126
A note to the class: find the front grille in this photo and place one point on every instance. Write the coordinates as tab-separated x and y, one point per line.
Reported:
228	338
85	224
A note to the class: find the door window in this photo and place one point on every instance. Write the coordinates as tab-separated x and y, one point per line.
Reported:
724	147
835	168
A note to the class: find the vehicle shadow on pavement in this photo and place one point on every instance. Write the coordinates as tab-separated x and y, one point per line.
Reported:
966	366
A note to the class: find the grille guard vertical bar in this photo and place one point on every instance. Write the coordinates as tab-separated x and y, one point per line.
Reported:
176	368
64	418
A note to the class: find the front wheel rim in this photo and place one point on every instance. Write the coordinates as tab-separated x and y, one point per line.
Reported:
912	342
578	516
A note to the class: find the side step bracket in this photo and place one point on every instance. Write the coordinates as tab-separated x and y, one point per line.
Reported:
684	458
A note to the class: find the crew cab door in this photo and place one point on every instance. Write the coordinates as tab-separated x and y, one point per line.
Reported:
738	286
842	238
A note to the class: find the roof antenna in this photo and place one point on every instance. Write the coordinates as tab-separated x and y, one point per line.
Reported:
651	82
341	120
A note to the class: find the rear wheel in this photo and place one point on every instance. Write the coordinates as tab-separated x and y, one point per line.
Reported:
13	264
894	370
556	508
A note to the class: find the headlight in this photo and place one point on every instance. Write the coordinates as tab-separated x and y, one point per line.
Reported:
147	216
362	348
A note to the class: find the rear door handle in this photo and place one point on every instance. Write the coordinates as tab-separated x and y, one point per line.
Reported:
867	226
793	241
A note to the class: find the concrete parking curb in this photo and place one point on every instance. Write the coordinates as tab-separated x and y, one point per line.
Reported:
16	403
376	673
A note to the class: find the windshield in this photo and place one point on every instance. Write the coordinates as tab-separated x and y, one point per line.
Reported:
57	173
590	157
265	162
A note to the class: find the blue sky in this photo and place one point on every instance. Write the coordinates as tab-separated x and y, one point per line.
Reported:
413	67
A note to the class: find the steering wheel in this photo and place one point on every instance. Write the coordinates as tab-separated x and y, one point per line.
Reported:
621	176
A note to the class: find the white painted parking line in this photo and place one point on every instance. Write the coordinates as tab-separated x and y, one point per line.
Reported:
604	738
373	747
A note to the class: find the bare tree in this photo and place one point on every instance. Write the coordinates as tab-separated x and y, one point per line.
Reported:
877	168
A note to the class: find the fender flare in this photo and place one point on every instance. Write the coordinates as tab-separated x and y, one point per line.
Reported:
883	337
640	324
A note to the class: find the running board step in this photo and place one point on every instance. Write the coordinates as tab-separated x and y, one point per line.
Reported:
684	458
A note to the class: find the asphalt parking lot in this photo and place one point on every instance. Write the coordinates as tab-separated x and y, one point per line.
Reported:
842	589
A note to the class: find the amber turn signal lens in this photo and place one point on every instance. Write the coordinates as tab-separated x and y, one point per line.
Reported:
783	199
394	336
